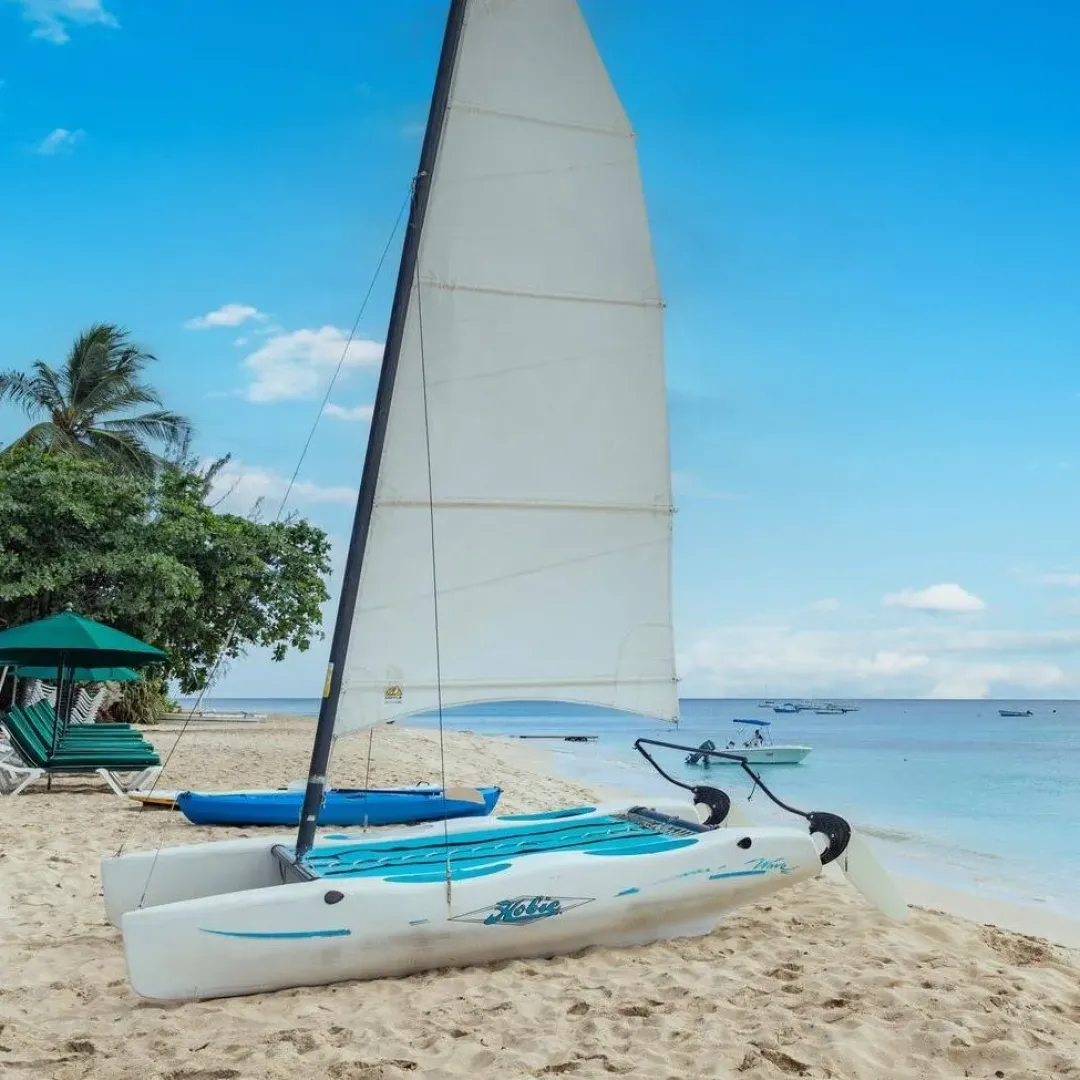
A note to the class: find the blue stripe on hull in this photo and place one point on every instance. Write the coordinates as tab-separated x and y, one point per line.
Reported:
283	935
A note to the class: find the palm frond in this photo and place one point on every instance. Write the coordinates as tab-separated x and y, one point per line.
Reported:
20	389
47	386
64	443
120	395
122	451
40	436
87	360
158	426
116	386
103	353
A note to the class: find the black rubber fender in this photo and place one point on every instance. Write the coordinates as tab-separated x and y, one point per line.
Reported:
835	829
718	802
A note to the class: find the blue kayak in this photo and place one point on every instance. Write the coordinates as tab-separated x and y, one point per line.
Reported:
341	806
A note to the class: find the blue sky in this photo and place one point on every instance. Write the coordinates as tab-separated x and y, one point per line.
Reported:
868	233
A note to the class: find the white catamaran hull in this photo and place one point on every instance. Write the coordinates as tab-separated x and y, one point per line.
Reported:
217	920
143	879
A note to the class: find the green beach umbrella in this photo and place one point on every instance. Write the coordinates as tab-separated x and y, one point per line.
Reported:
67	640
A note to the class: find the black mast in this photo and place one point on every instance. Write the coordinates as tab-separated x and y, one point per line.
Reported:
350	586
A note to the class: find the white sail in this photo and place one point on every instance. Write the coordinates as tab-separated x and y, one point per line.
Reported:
537	319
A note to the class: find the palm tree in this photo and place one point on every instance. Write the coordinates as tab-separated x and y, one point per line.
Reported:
86	405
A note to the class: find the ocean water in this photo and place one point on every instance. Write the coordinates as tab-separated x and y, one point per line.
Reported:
947	791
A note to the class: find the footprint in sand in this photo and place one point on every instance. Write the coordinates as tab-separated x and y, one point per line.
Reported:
786	972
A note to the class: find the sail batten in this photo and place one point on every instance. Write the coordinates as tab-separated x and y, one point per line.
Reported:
535	504
521	294
525	464
503	114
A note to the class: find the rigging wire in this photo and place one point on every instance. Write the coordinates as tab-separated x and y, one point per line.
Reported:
434	572
281	509
367	772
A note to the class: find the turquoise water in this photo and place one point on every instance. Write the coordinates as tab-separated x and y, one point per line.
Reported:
948	791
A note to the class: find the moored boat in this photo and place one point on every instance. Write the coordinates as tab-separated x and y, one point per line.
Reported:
759	749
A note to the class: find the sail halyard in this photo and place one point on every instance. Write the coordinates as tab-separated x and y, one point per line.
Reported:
343	623
540	393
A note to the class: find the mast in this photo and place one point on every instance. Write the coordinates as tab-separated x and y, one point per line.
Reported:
339	645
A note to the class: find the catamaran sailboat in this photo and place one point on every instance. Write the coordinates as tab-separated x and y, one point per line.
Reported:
512	542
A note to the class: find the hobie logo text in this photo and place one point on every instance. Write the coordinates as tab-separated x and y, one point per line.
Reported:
772	864
524	909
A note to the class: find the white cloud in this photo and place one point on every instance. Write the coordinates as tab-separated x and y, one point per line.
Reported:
825	605
59	141
342	412
51	18
226	315
979	680
935	598
298	364
238	489
738	661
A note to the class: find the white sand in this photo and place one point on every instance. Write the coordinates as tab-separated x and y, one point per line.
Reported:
813	984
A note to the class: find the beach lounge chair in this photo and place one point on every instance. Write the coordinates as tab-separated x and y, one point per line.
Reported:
118	740
85	708
43	718
30	736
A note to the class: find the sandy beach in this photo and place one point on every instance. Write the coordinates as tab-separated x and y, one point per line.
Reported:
813	984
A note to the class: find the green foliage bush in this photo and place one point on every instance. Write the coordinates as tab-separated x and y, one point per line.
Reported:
148	555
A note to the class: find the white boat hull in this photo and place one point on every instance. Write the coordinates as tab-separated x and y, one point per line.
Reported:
763	755
144	879
215	920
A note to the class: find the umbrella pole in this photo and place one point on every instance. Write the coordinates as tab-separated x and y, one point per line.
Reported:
58	727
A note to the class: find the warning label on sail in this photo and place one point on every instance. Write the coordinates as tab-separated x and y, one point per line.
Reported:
392	693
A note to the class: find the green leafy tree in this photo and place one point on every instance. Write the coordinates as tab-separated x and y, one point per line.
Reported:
89	406
148	555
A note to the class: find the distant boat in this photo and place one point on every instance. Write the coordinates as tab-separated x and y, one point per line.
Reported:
759	749
1015	712
787	707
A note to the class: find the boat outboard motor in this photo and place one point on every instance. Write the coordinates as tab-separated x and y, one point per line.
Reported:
699	758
